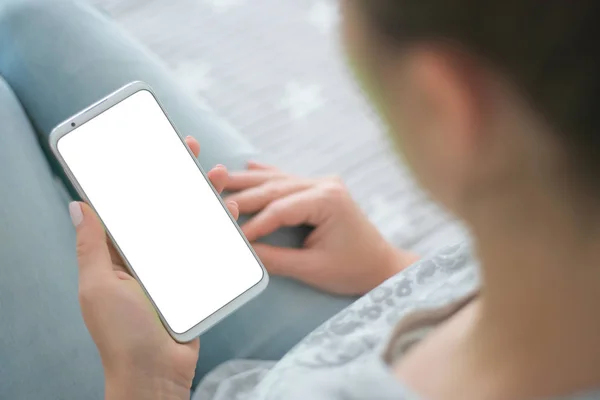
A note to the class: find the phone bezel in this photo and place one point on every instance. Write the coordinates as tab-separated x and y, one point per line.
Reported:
93	111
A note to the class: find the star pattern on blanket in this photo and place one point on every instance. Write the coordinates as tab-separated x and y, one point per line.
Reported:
300	100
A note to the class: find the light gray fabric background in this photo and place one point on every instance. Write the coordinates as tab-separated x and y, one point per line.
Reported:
275	70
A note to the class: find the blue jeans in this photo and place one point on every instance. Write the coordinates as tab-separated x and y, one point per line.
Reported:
57	57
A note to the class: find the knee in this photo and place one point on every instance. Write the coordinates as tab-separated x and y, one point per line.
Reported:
28	27
16	15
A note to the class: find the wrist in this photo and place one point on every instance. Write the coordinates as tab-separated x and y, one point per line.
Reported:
398	260
134	386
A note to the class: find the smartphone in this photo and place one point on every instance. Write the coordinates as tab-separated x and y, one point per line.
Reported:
177	238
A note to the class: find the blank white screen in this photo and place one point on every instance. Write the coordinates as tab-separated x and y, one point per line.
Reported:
160	210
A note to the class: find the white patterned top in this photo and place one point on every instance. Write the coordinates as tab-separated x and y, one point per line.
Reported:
344	359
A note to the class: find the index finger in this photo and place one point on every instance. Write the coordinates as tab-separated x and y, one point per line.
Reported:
300	208
240	180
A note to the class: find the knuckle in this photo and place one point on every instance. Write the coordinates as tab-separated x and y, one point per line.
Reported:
273	190
336	179
334	189
83	248
275	209
333	193
89	290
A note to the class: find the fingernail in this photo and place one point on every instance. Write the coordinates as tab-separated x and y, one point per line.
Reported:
219	166
76	213
189	137
232	203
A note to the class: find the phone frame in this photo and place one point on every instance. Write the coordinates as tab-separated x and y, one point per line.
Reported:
93	111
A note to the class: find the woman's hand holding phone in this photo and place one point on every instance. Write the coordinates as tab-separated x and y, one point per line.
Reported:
345	254
139	357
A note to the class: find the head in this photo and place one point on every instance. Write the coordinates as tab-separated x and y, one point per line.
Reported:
484	98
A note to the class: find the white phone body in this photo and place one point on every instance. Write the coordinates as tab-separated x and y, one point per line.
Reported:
173	231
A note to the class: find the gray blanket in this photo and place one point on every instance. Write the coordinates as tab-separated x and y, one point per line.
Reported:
276	71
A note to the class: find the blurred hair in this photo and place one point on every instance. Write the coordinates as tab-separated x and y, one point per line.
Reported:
547	48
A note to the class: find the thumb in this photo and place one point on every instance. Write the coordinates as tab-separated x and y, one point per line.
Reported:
92	250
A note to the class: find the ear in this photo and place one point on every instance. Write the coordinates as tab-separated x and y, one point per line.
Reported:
451	97
442	108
